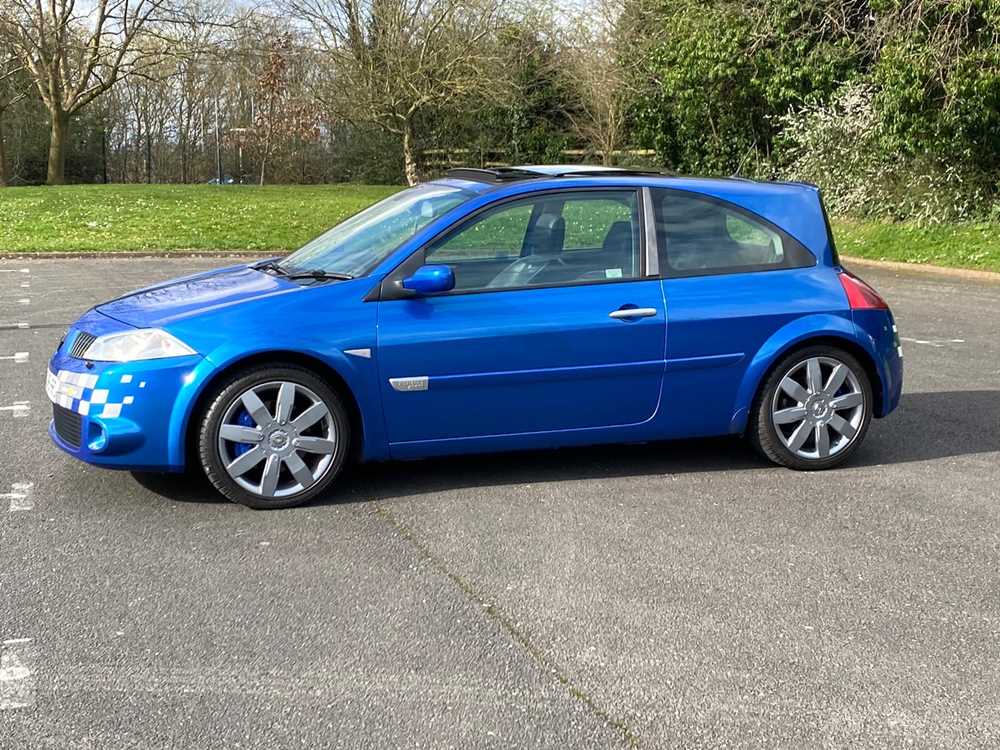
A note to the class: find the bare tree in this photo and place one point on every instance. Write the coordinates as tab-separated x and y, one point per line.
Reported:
593	64
10	94
199	32
74	54
280	114
392	60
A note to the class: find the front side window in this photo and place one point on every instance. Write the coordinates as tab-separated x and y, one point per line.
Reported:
698	235
548	240
357	245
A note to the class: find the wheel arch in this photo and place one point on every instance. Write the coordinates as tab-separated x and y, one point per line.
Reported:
840	335
274	358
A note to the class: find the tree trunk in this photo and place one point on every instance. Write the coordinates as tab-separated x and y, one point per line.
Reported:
104	152
409	155
4	172
58	145
149	154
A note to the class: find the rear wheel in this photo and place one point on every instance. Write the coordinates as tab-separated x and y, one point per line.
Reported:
274	437
814	409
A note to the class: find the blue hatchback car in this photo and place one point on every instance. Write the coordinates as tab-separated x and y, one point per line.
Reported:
492	310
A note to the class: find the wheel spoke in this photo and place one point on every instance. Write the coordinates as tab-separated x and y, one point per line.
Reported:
299	469
814	376
837	378
847	401
286	398
822	440
794	390
256	408
247	461
799	436
310	416
272	470
239	434
315	445
787	416
842	426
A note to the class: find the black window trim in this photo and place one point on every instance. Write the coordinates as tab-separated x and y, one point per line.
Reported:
391	286
668	272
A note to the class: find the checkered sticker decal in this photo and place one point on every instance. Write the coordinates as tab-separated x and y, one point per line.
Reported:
78	391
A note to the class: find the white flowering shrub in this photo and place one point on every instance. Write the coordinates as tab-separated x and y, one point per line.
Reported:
838	147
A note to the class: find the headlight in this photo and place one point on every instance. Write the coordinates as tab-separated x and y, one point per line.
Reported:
145	343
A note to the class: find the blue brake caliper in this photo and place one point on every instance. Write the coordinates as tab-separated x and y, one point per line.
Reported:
245	420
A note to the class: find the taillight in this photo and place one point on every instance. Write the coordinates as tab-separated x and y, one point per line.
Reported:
860	296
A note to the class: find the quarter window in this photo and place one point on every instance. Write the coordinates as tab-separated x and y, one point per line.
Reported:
699	235
548	240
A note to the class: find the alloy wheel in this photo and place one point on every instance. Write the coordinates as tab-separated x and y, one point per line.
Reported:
277	439
818	408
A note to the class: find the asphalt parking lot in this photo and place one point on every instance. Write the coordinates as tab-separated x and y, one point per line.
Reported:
672	594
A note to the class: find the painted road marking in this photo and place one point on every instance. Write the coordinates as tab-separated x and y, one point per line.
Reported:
15	270
20	496
18	409
10	326
937	343
24	301
18	358
26	285
17	681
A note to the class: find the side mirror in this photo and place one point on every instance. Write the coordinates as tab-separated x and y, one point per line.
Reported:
430	279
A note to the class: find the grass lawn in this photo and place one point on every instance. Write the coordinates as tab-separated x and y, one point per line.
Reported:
174	217
970	245
280	217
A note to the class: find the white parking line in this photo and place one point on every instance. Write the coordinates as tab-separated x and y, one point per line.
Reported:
18	409
937	343
17	681
18	358
20	496
21	325
15	270
24	301
26	285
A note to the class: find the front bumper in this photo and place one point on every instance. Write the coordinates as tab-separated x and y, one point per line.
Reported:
126	411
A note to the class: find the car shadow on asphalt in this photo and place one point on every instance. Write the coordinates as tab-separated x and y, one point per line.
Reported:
927	426
932	425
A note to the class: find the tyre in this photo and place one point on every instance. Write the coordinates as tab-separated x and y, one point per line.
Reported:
273	437
813	410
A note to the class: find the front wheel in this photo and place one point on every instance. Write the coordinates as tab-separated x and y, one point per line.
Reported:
814	409
274	437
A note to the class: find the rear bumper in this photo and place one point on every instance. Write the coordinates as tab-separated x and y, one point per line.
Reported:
878	329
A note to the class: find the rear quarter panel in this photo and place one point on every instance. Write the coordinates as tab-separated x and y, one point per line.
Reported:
724	332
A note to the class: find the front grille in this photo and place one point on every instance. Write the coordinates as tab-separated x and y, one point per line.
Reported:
69	425
81	343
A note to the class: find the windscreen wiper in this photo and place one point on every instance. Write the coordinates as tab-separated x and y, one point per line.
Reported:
270	265
319	275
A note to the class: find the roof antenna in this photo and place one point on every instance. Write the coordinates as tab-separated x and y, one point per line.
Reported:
753	147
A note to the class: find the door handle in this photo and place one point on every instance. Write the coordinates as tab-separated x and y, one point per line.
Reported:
627	313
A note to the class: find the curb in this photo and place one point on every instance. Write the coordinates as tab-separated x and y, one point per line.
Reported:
968	274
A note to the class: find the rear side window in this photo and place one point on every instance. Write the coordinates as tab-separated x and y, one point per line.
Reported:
698	236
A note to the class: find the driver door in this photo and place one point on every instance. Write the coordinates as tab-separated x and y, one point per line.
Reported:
552	325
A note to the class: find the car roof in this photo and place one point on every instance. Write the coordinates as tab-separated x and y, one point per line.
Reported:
520	173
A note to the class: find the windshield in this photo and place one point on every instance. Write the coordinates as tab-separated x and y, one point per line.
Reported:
357	245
